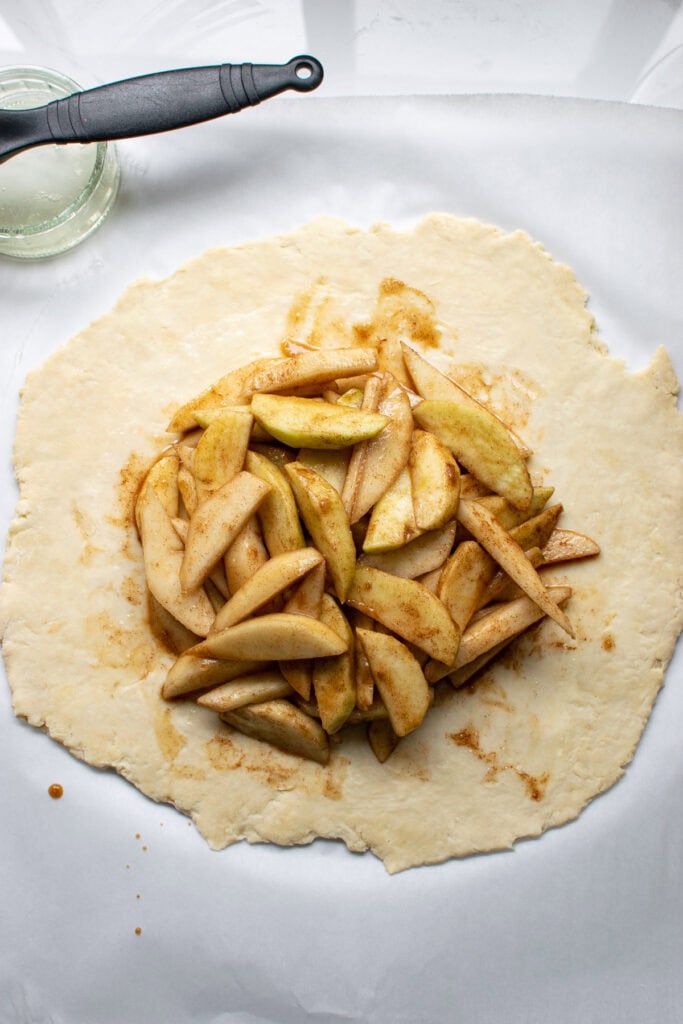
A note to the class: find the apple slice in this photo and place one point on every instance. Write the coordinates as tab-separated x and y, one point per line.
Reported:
509	516
536	532
371	396
228	390
392	523
283	726
334	680
567	545
163	478
365	684
316	367
506	621
244	690
433	384
163	553
215	524
408	609
325	519
422	555
464	580
387	453
220	452
311	423
330	465
278	514
500	545
306	600
274	576
390	360
399	679
187	488
382	739
172	634
190	673
482	445
275	637
216	576
246	555
435	480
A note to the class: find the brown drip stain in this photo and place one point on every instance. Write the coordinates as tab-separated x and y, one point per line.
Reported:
138	931
226	756
469	737
608	642
56	791
401	312
119	647
170	741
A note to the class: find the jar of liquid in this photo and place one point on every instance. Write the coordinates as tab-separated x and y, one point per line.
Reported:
51	197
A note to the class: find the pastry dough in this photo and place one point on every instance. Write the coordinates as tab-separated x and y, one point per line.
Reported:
541	733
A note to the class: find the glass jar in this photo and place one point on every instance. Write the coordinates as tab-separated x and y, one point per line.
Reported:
51	197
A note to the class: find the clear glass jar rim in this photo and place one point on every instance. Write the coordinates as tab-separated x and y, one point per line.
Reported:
49	76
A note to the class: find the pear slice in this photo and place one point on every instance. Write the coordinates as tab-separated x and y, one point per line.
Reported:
482	445
278	514
399	679
500	545
246	689
334	680
284	726
330	465
310	423
504	622
215	524
382	739
163	553
433	384
245	556
190	673
387	453
220	453
271	579
435	480
408	609
392	523
425	554
326	520
275	637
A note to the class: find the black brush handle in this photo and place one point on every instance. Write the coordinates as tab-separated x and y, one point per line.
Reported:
154	103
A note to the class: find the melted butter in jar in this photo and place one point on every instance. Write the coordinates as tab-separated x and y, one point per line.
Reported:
51	197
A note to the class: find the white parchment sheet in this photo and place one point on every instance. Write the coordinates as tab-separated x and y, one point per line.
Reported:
581	925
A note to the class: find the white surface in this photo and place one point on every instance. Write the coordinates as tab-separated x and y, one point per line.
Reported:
581	925
599	49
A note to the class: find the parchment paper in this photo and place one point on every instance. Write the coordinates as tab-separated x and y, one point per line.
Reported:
583	924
